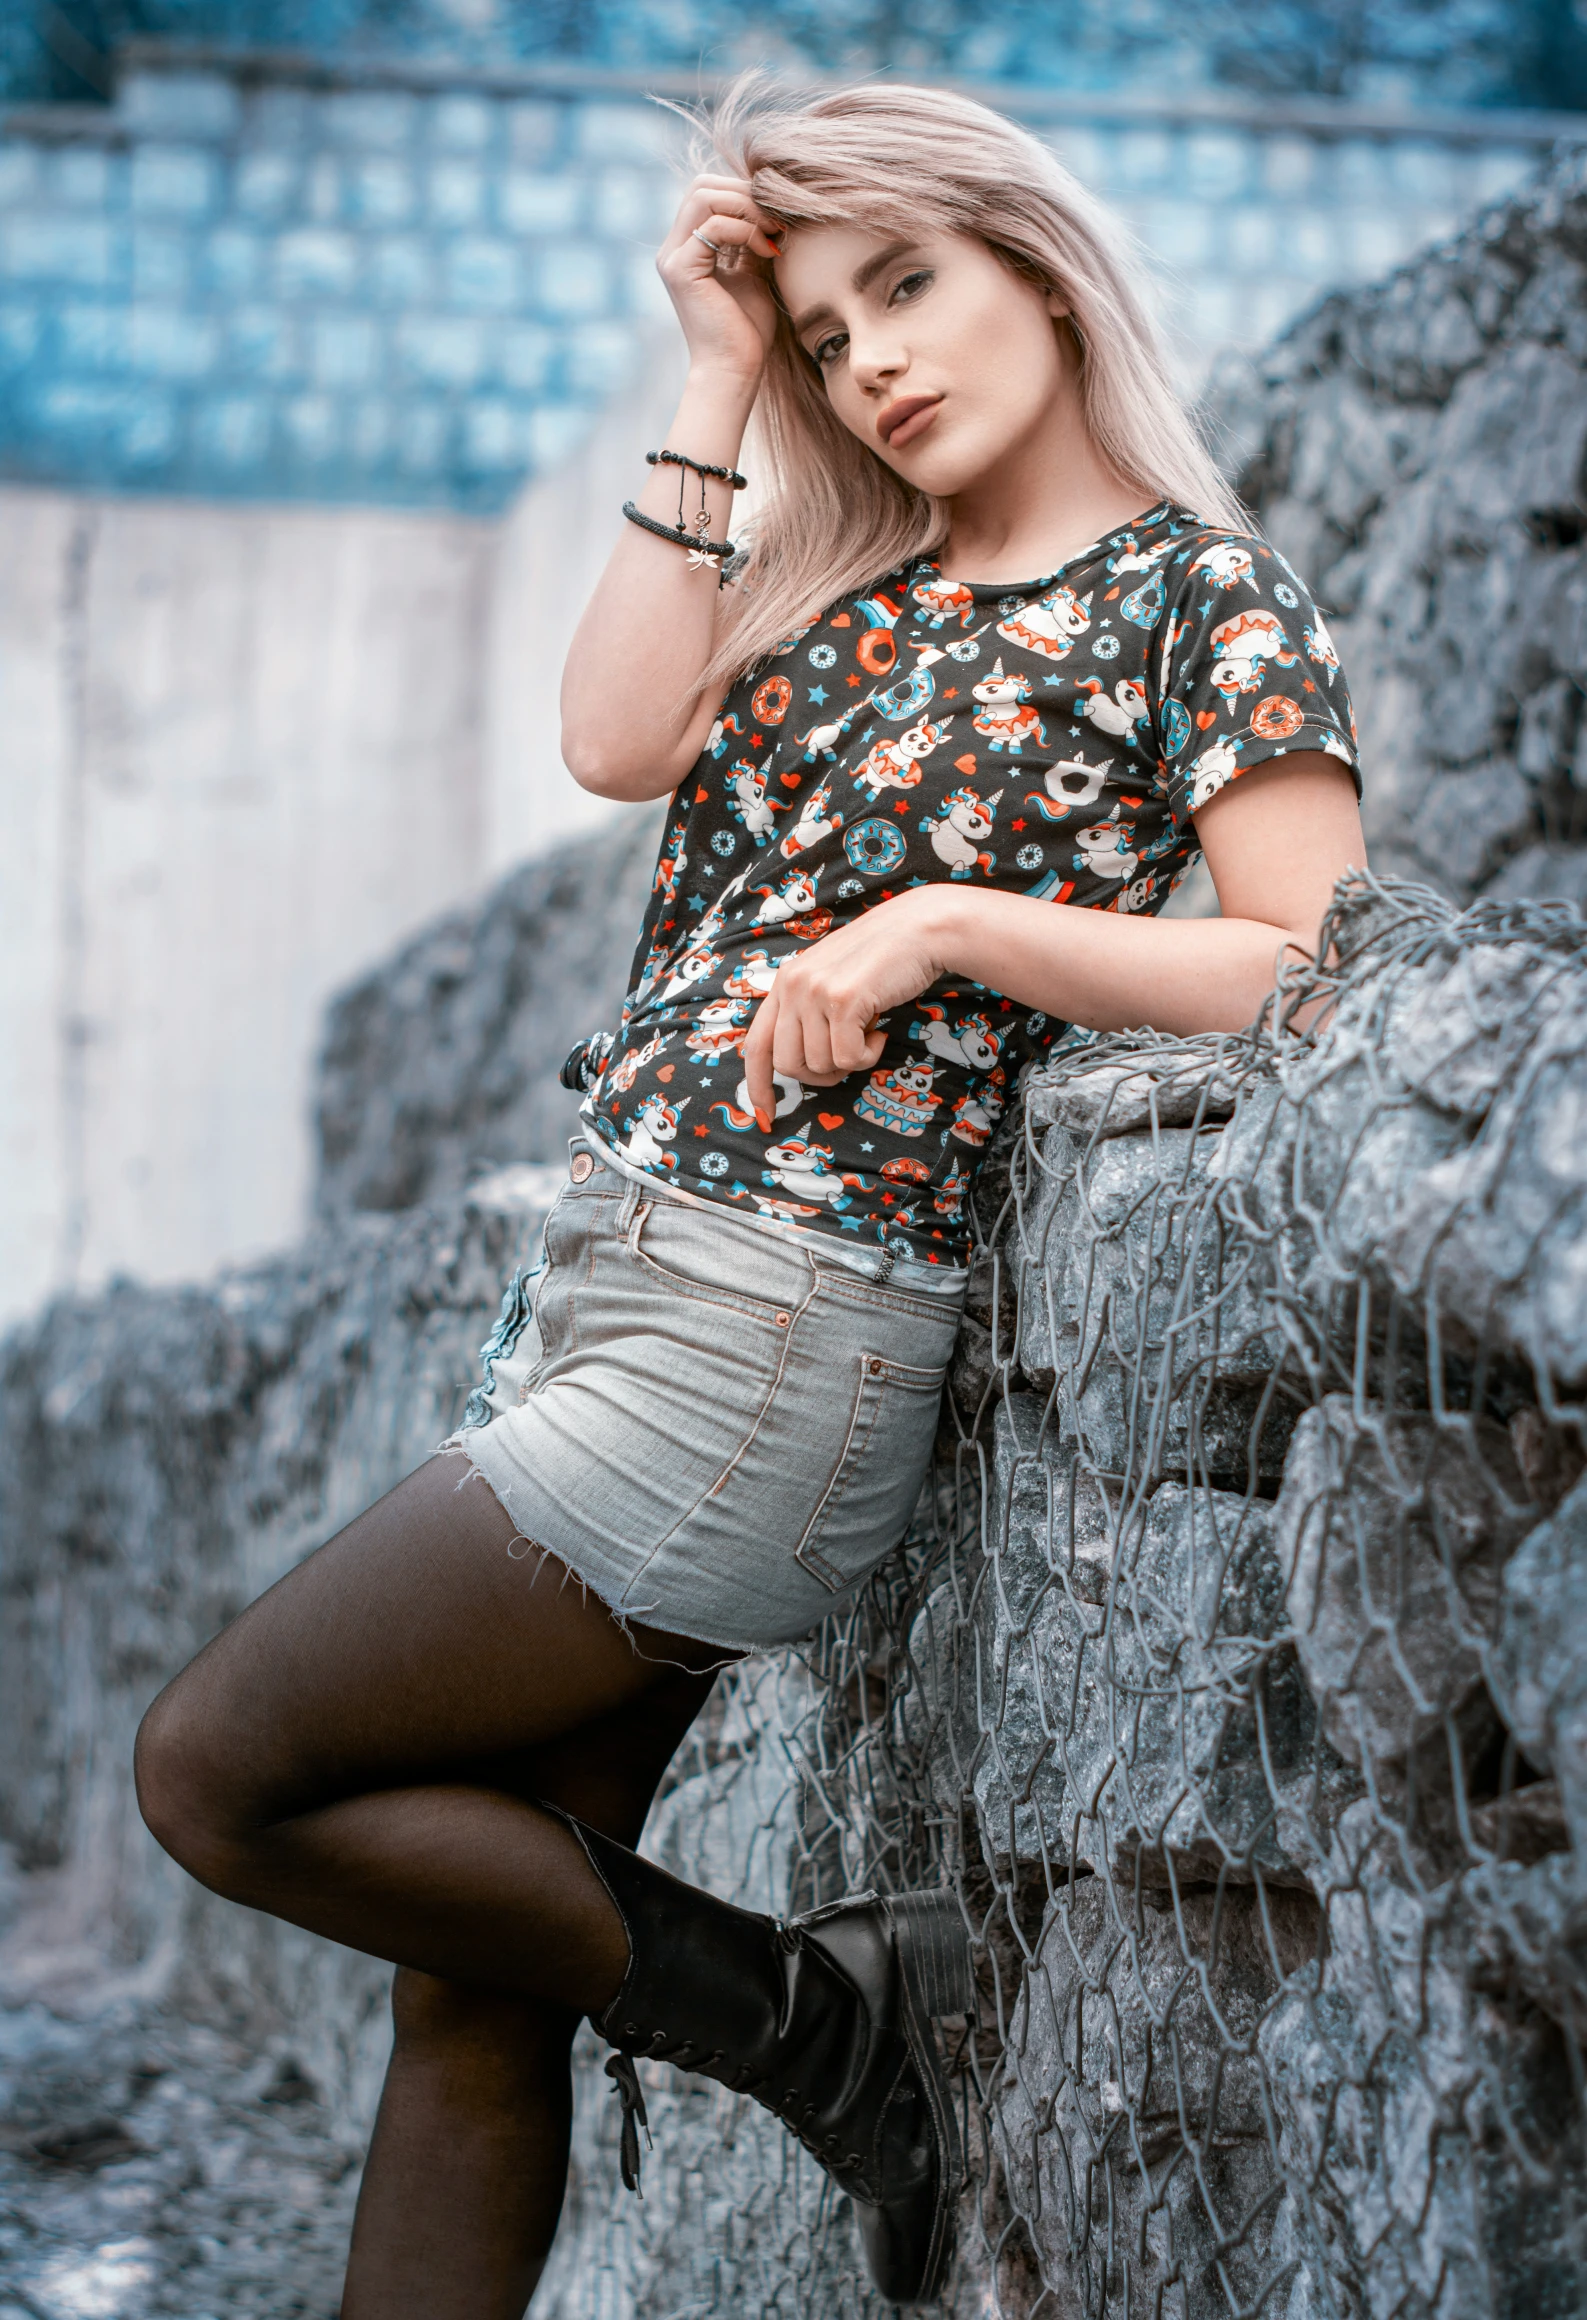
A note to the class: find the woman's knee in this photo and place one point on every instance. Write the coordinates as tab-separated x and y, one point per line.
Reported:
183	1792
499	2029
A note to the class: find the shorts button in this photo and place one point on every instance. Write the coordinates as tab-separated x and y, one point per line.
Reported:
582	1167
783	1320
874	1366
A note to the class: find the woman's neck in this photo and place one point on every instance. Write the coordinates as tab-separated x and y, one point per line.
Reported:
1047	498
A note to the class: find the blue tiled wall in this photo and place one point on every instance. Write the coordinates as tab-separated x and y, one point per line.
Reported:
277	281
409	295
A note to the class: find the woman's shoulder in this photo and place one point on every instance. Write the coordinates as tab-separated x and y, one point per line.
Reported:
1208	556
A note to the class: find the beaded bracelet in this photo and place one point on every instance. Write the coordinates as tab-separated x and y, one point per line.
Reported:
697	467
695	534
701	550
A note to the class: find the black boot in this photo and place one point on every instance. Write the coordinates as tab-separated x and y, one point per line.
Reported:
826	2020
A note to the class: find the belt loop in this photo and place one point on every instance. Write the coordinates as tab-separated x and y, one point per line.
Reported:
628	1204
642	1209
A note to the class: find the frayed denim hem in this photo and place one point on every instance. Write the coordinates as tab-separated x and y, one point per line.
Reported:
520	1547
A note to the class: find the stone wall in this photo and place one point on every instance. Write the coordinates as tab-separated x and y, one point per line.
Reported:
1230	1676
443	1063
1417	450
165	1454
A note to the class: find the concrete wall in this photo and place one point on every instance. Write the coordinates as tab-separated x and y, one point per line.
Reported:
239	752
549	550
242	752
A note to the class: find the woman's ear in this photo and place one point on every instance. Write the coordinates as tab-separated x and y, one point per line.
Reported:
1069	335
1057	305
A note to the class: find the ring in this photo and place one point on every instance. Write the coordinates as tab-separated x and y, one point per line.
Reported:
710	245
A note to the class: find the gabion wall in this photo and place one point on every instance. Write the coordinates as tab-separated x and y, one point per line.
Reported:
1236	1680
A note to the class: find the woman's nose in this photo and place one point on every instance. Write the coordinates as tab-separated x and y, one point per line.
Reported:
875	364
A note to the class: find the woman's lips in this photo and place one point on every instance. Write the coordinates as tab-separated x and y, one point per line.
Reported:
910	416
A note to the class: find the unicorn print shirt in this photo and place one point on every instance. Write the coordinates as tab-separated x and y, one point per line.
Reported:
1053	739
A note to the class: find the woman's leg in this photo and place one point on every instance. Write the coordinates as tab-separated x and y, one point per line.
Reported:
357	1753
464	2181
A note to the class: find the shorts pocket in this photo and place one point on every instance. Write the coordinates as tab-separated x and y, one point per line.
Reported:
703	1256
865	1508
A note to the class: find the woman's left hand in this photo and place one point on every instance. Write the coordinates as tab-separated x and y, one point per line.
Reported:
820	1020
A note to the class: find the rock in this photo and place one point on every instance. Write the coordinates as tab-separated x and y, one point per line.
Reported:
1177	1084
1437	1139
975	1373
146	2167
1394	1532
1160	1373
164	1455
1538	1667
1415	449
1129	2116
1416	2115
444	1062
1550	873
1530	1931
1048	1557
1194	1751
1523	1824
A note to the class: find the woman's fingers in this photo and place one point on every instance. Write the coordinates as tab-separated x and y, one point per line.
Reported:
723	211
803	1045
758	1080
727	243
826	1015
856	1042
714	264
810	1035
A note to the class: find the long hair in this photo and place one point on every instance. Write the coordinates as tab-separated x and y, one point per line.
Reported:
893	158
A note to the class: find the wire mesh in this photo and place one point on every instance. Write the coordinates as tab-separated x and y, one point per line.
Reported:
1234	1675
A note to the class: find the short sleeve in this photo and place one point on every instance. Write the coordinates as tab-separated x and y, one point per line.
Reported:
1247	672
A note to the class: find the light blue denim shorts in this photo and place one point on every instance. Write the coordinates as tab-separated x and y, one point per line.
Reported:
718	1433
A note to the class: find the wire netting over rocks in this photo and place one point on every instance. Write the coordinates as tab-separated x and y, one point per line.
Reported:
1235	1678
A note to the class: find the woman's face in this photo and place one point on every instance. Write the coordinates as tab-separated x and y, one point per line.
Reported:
939	358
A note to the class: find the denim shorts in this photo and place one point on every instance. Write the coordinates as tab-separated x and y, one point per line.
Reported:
718	1433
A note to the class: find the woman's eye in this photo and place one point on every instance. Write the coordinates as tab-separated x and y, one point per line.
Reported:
828	349
912	284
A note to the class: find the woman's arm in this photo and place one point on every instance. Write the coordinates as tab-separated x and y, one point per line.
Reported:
633	720
1276	841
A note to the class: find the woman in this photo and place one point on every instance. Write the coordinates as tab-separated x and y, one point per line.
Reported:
998	642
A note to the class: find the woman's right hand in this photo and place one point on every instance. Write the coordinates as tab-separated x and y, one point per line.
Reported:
724	303
635	720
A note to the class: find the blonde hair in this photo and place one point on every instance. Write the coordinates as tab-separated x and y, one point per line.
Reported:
889	157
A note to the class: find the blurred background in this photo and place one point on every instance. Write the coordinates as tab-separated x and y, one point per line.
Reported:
329	340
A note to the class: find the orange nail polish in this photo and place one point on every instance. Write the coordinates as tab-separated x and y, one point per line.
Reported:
763	1121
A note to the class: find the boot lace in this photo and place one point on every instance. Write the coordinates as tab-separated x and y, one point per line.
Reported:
625	2084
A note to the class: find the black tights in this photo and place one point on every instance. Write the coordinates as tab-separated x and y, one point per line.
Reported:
359	1754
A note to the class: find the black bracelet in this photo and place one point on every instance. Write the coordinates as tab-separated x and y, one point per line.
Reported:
697	467
677	535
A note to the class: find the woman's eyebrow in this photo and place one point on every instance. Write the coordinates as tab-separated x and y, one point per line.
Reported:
863	276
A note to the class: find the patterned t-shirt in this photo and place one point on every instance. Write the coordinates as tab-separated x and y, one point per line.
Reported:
1051	739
